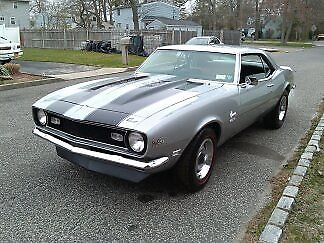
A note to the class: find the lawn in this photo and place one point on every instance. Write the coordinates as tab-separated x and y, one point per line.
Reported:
78	57
278	43
305	223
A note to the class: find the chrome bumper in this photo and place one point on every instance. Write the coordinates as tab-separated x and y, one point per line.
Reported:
144	166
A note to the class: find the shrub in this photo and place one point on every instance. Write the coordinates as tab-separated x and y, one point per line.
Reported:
4	71
13	68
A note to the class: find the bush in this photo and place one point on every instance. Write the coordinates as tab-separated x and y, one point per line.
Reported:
13	68
4	71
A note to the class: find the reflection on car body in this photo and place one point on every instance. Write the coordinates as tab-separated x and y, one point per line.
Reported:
172	113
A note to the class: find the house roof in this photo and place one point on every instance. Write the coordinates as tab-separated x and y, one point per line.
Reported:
173	22
142	4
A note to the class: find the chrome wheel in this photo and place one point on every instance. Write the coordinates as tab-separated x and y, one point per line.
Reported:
282	108
204	158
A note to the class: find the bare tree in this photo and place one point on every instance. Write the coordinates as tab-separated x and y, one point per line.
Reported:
39	7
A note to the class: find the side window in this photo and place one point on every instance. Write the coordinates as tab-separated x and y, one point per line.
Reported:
268	69
252	66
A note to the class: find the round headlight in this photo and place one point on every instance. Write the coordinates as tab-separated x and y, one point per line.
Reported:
41	116
136	142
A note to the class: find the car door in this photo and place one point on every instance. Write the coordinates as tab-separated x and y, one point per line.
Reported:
254	88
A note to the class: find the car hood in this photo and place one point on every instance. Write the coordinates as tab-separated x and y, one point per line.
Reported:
110	101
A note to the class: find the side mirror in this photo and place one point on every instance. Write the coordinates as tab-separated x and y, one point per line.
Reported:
251	80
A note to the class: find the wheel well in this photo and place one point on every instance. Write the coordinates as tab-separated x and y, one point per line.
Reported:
217	128
288	88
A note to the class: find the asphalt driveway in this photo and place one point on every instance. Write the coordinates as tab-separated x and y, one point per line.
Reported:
43	197
52	68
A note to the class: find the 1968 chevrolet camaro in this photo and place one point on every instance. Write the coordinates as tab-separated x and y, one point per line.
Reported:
173	112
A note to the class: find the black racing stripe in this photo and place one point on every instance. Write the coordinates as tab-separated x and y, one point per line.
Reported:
60	107
144	96
106	117
91	90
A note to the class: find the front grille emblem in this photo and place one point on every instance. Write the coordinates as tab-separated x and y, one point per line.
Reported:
55	121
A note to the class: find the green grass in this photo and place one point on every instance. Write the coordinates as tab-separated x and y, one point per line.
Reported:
79	57
305	222
278	43
278	183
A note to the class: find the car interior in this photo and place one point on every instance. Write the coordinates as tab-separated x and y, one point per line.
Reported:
254	66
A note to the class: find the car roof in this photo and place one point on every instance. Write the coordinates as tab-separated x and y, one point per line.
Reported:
203	37
214	48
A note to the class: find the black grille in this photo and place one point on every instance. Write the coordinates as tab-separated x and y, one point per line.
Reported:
85	130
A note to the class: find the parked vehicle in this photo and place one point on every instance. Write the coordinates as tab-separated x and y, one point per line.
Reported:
180	105
204	40
9	50
320	37
9	44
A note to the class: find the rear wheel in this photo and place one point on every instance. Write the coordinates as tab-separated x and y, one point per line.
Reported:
276	118
196	164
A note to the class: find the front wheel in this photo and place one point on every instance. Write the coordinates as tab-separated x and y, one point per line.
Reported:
197	162
276	118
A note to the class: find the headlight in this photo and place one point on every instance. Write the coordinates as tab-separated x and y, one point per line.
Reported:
42	117
136	142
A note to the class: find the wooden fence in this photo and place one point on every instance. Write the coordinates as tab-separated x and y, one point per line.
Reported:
72	39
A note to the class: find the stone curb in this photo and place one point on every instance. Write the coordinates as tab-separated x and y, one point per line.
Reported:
30	83
272	232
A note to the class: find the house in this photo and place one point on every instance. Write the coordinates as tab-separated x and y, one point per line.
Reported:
14	13
153	15
172	24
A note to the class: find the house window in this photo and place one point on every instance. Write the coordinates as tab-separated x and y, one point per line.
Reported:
94	18
15	4
12	20
119	25
118	12
2	18
127	26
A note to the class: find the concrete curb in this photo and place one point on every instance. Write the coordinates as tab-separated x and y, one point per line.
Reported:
272	232
4	87
30	83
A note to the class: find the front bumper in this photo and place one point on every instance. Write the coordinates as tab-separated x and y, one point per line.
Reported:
10	56
104	162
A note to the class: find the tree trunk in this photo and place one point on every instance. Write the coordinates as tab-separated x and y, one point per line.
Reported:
111	21
104	10
284	22
288	31
257	19
134	7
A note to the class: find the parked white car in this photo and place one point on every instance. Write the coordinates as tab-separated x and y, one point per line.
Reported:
9	50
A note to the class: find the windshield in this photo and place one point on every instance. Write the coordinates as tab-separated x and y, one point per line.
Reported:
191	64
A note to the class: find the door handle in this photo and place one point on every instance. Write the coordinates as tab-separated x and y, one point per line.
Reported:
270	85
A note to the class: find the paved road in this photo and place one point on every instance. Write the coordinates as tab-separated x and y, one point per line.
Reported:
43	197
51	68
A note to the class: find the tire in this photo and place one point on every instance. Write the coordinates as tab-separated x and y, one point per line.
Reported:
197	162
276	118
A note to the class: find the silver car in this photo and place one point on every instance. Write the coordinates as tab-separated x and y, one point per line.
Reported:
204	40
172	113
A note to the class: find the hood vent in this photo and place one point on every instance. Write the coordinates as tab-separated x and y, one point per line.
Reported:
119	81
